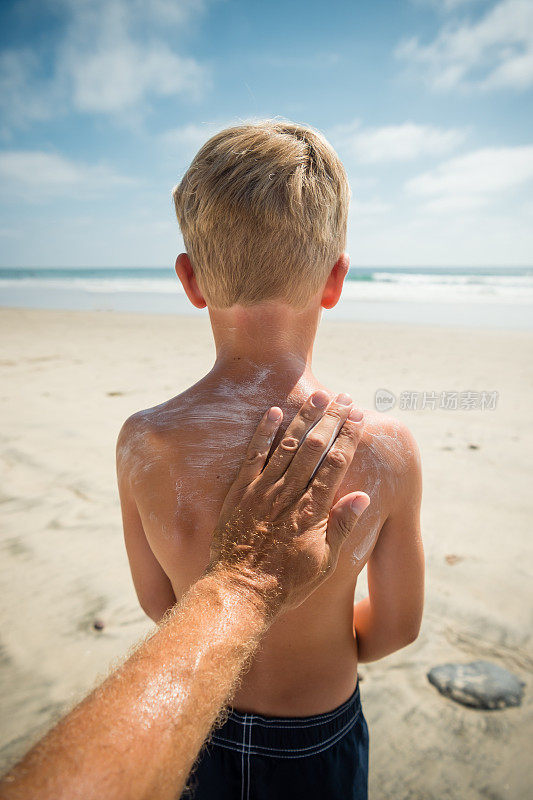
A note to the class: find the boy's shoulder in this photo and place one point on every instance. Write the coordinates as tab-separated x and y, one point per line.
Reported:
386	465
389	443
146	430
161	417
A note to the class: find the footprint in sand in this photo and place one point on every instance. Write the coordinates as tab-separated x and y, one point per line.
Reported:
452	559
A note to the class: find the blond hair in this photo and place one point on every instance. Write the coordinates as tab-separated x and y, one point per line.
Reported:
263	212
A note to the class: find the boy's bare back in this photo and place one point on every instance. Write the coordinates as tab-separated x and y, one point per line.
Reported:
176	462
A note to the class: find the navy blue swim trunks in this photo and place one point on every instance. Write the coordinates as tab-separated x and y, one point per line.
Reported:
252	757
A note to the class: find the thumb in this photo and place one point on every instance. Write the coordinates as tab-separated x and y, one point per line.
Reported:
343	518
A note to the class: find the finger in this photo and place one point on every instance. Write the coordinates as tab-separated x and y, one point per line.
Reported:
315	446
342	520
331	471
259	447
309	414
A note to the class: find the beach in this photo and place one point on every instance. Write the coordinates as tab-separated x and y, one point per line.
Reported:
68	381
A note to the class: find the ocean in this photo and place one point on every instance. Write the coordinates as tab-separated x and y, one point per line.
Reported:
467	296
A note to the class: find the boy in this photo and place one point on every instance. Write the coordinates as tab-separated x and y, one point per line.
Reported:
263	211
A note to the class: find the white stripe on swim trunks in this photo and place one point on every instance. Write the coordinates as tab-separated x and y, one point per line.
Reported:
242	757
249	747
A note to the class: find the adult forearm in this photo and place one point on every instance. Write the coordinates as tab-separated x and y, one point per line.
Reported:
376	637
138	734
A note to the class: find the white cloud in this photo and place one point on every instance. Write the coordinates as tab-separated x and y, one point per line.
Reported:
451	5
24	96
496	51
135	18
37	175
114	56
456	204
163	12
446	5
367	208
10	233
403	142
189	138
474	179
477	238
116	79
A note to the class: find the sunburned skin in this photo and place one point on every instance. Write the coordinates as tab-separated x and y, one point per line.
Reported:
178	460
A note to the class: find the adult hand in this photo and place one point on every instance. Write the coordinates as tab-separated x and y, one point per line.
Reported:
278	533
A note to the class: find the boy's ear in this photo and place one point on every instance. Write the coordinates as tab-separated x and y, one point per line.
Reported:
185	273
333	288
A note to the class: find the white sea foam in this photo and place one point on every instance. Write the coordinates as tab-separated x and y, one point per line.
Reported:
495	298
427	287
97	285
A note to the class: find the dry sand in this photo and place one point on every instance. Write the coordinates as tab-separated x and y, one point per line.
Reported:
69	379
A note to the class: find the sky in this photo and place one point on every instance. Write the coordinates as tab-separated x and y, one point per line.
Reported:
104	103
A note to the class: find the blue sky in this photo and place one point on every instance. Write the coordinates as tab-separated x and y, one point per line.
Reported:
103	103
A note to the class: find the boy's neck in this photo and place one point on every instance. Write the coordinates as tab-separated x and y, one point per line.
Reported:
273	336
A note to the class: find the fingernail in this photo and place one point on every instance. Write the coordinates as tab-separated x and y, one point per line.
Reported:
359	504
319	399
274	414
343	399
355	415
